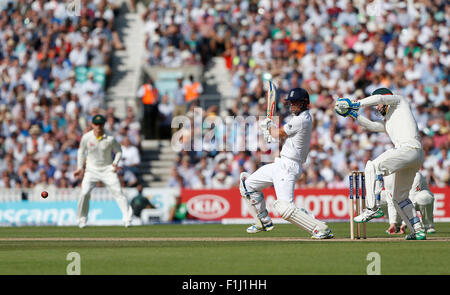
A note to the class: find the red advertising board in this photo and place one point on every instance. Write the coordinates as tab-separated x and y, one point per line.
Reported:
325	204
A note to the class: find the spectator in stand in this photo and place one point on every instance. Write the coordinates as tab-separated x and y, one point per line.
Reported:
222	179
192	90
130	158
180	99
172	58
44	183
166	110
134	130
175	180
34	142
91	85
150	97
47	166
6	181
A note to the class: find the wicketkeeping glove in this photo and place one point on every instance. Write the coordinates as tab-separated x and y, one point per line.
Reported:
353	114
345	107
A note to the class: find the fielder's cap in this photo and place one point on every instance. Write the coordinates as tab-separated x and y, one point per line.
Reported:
98	119
382	91
298	94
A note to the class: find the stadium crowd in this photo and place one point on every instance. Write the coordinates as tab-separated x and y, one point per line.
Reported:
332	48
44	107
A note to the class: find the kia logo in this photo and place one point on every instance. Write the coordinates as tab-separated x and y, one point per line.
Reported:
208	206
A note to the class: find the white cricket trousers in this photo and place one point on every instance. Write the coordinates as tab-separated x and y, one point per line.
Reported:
111	181
402	165
282	173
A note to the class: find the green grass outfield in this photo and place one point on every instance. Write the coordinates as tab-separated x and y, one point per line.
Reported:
214	249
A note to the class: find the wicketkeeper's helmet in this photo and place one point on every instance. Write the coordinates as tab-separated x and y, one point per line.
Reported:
382	91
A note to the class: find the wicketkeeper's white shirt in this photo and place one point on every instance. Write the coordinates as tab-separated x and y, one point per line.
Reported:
400	124
99	151
299	130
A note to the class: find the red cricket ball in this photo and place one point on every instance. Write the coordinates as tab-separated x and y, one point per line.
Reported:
44	194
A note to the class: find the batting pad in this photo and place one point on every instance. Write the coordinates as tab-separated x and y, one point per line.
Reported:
246	196
296	216
407	212
371	178
253	212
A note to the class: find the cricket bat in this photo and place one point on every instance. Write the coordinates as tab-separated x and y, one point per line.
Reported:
271	100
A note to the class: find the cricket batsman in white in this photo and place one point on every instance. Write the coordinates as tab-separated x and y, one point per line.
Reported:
422	199
403	161
99	167
283	173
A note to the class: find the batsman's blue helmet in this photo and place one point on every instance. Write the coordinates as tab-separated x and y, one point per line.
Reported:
298	94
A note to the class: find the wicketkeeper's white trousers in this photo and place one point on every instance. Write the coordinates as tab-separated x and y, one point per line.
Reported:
111	181
401	164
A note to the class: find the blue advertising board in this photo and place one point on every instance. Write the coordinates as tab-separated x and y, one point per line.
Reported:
57	213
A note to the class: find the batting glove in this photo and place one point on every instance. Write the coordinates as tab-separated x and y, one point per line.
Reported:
268	137
265	124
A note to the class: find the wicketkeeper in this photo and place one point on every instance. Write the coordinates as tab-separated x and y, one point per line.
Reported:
284	171
422	199
99	167
402	162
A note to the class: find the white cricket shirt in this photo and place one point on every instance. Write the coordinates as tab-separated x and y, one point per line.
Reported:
99	152
296	145
400	124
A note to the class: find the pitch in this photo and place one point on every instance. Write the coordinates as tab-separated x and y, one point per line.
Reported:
215	249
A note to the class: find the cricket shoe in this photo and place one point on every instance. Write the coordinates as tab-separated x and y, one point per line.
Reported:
127	222
420	235
368	214
322	234
256	229
82	223
431	230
